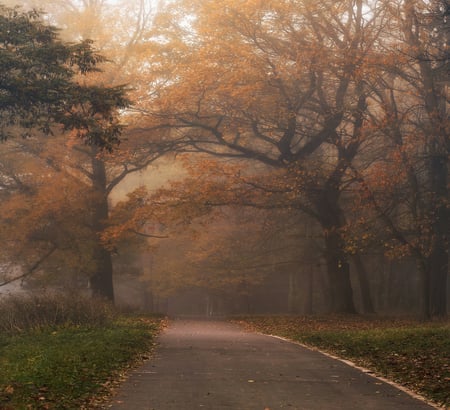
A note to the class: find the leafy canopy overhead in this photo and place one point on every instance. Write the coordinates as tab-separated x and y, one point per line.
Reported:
38	83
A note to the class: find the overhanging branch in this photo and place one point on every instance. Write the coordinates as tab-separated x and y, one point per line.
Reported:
32	269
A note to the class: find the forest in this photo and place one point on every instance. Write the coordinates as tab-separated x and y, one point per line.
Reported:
244	156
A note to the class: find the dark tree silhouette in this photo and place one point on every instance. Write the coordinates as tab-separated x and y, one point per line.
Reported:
38	83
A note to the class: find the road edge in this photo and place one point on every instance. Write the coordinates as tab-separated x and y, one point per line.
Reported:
369	372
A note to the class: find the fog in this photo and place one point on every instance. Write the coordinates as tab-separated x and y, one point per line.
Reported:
268	163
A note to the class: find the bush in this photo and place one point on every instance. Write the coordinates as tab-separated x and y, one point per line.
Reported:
33	312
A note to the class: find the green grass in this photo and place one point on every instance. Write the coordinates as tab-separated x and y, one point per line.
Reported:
70	366
414	354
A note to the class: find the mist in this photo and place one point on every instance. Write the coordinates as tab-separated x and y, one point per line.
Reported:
267	164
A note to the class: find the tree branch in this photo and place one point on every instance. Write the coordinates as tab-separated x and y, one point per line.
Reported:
31	269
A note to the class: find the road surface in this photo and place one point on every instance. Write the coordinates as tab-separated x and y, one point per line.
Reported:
217	365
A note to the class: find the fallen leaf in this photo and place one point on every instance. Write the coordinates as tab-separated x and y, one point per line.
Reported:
9	390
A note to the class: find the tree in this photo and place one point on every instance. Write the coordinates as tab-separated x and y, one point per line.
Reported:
46	232
39	88
422	21
243	233
100	170
270	82
407	189
215	245
42	92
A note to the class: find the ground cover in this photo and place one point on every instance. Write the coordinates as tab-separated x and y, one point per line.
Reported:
411	353
69	364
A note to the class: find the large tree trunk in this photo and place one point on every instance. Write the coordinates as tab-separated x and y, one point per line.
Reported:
439	253
338	270
102	279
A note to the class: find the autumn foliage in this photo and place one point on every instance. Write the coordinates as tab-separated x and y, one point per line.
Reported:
334	113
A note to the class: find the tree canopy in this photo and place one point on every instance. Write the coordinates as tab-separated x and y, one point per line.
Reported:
331	114
40	84
332	93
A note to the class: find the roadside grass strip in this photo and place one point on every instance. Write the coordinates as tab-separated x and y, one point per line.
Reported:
411	353
70	367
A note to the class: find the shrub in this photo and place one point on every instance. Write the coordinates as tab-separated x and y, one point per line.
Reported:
32	312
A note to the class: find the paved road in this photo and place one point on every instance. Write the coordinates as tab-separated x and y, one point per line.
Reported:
216	365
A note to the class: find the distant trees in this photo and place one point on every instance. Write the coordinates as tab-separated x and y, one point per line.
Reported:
221	238
310	89
407	187
427	35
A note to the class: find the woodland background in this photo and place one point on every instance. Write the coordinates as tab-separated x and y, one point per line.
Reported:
277	156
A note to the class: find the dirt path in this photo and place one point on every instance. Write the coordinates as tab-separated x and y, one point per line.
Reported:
216	365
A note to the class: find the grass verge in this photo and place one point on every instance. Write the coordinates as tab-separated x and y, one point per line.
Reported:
70	366
413	354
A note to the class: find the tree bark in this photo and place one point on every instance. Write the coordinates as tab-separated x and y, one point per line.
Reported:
338	269
439	254
102	279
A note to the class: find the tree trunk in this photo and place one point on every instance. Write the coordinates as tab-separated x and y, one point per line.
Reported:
439	253
435	95
438	282
424	289
338	270
366	297
331	218
102	279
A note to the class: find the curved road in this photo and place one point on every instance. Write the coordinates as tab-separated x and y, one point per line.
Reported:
216	365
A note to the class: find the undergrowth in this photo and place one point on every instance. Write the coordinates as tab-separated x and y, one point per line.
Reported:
58	353
33	312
